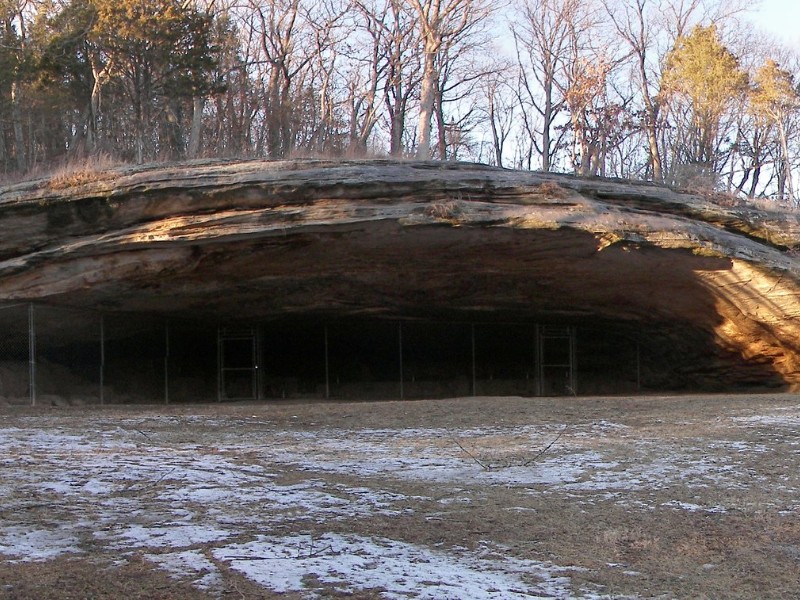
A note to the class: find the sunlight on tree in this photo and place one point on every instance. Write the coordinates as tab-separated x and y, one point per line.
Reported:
701	81
775	99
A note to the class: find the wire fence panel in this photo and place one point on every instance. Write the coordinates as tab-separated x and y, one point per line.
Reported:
15	383
57	356
192	362
158	360
67	356
134	358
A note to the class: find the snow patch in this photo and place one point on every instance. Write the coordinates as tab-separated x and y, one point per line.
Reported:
167	536
399	570
691	507
192	565
30	545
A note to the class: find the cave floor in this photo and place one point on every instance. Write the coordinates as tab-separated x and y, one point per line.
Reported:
624	497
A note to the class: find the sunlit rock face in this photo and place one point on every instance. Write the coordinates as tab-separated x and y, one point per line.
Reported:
709	290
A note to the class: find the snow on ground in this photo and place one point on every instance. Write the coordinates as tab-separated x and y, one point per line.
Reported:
401	570
36	544
193	565
191	505
447	458
779	420
105	478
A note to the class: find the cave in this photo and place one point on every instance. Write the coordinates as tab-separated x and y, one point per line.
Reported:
92	357
388	280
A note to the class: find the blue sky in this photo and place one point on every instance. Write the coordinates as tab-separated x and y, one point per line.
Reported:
780	17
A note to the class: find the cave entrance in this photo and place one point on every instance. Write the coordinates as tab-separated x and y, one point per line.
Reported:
238	354
362	358
409	359
79	356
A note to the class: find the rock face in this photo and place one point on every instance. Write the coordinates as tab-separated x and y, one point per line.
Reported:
710	292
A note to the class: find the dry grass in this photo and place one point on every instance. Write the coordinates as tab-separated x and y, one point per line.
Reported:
641	540
82	578
443	211
550	190
72	171
75	173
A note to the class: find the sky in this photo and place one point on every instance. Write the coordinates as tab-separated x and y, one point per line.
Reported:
779	17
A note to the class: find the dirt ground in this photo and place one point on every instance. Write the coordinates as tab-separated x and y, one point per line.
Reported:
645	497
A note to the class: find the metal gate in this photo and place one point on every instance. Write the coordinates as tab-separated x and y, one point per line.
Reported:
556	359
238	359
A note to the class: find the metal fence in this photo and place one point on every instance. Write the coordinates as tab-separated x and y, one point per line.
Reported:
65	356
65	353
15	353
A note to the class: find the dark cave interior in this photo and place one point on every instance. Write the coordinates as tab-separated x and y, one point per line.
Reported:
125	358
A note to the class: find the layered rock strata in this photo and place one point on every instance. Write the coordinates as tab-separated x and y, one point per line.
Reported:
699	279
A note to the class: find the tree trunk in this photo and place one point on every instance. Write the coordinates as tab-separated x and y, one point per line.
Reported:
650	121
582	159
441	130
398	125
787	165
198	104
548	123
100	77
3	151
498	145
273	116
16	119
139	129
754	184
426	104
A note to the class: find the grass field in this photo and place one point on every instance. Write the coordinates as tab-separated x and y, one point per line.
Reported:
638	497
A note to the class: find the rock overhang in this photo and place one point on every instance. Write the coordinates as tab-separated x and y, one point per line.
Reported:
264	241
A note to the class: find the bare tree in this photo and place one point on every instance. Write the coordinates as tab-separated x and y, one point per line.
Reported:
232	113
499	108
383	72
14	36
544	35
443	24
649	29
403	72
638	27
284	50
367	73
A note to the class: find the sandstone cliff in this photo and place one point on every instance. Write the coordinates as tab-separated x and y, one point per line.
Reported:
713	289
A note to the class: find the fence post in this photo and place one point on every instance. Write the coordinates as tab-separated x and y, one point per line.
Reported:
400	353
220	382
474	364
166	362
32	354
638	362
327	368
102	358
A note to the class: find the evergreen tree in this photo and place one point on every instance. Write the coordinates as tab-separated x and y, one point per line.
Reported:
701	81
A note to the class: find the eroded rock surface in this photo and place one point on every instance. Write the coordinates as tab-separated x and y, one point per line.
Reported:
712	289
